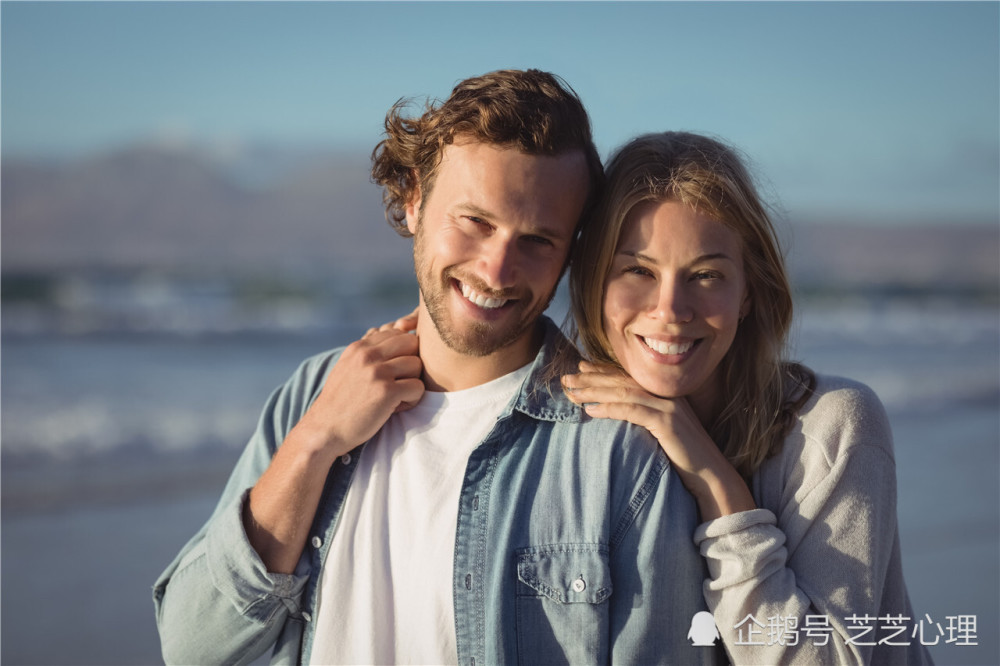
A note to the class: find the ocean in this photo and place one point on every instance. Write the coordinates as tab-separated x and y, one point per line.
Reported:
116	442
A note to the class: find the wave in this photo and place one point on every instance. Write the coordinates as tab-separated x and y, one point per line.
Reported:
68	398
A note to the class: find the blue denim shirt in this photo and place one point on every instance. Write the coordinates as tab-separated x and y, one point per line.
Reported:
574	545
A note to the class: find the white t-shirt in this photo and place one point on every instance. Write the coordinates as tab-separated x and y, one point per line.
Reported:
386	592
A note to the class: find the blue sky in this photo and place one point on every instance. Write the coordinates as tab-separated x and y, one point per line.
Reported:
872	111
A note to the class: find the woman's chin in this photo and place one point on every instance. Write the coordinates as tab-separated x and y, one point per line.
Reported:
658	385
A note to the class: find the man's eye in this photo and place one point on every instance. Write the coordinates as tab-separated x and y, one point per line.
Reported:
479	224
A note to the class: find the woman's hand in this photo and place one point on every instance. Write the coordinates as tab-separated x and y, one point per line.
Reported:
607	392
406	323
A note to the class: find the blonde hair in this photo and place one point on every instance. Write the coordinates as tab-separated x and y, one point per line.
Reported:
761	392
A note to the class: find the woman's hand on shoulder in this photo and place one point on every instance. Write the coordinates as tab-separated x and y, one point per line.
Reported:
407	323
608	392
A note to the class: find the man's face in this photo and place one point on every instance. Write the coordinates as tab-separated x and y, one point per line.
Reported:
491	239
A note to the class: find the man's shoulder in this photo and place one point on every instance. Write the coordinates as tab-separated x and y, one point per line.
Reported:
320	362
307	379
545	400
631	442
621	445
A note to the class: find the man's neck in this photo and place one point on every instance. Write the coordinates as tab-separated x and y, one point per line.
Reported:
448	370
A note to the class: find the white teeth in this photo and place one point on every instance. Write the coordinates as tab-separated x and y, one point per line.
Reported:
670	348
482	301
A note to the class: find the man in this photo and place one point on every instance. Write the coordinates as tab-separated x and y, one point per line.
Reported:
435	498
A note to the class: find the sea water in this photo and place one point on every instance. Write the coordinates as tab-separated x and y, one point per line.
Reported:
73	404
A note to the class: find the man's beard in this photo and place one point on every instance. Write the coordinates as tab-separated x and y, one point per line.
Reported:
480	338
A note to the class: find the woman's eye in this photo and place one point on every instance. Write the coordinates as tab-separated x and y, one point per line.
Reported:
638	270
707	275
538	240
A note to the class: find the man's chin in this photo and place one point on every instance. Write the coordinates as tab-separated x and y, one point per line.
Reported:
479	340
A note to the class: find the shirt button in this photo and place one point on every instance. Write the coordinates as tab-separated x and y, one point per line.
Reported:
579	585
307	617
317	542
346	458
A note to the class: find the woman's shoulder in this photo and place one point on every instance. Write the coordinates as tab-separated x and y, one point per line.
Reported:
841	426
831	391
842	414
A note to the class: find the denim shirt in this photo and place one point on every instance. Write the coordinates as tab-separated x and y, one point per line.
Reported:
574	545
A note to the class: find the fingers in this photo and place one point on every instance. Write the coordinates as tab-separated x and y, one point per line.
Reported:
591	375
599	386
595	379
617	394
389	342
402	367
374	377
406	324
639	414
409	392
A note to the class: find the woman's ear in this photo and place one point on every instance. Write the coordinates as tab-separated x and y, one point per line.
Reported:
413	206
746	305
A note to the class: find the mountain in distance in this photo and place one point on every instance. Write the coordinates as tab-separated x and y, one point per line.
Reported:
166	209
949	258
274	210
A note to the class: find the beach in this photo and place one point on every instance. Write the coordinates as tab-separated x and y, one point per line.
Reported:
95	507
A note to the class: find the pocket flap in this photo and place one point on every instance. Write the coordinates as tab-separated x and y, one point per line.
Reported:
567	574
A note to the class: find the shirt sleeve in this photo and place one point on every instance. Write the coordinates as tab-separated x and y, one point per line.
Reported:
789	600
216	602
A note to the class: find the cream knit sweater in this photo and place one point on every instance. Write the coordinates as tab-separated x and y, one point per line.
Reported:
823	543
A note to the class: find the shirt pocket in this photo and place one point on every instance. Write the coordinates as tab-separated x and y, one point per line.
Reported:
562	604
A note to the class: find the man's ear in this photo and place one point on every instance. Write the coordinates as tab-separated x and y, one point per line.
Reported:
413	207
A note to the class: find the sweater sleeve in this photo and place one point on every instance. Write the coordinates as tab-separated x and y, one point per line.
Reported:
793	587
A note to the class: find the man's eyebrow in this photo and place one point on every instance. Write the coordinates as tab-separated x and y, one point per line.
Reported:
474	210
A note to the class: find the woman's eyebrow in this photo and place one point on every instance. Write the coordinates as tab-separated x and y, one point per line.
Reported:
705	257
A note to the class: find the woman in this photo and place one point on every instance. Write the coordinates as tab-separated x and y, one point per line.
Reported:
683	306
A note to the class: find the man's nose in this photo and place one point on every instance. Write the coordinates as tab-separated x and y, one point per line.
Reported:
498	262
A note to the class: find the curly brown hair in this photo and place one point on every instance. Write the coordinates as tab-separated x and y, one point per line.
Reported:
534	111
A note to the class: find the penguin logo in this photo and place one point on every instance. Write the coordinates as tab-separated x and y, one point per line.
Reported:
703	630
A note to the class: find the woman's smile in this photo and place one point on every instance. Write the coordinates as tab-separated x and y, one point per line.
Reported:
668	351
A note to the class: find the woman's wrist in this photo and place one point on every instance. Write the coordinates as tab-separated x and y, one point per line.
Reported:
719	492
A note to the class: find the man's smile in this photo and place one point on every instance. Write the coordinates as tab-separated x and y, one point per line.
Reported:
482	300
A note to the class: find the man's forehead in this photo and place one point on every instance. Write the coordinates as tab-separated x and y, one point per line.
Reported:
473	153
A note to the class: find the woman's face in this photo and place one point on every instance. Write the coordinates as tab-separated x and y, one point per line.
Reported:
673	300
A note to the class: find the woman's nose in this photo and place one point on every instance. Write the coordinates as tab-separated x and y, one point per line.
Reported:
672	303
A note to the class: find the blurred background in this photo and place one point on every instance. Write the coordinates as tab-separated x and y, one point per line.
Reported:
186	215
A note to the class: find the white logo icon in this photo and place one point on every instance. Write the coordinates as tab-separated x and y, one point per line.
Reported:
703	630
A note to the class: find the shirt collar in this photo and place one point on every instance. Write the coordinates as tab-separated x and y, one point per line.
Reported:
541	395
